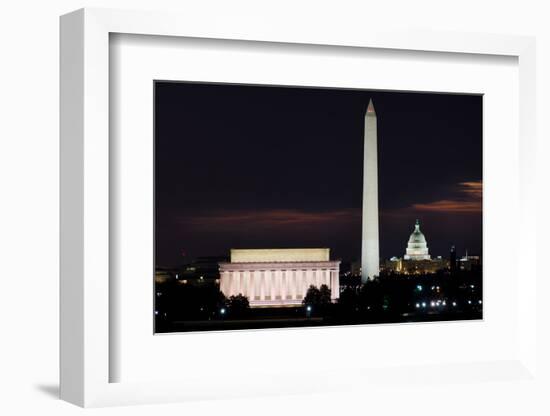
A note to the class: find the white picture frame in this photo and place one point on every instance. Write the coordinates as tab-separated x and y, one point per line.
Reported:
85	179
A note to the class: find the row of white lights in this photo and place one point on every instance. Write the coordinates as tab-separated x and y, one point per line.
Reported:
434	304
419	287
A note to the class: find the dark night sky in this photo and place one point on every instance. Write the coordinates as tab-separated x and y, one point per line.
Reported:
259	167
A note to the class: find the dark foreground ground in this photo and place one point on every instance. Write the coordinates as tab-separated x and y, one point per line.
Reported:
181	307
297	317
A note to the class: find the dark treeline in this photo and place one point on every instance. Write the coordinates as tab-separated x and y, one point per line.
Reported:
390	298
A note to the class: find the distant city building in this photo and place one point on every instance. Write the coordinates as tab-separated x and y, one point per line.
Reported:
402	266
164	275
417	259
469	263
452	260
355	268
201	270
278	277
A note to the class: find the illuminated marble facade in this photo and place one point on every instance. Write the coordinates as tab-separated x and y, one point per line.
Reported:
417	247
278	277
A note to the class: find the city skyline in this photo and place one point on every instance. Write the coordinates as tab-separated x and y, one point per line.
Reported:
256	167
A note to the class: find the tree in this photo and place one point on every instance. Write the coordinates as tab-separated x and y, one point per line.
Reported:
324	295
348	302
371	296
318	299
313	296
238	305
221	301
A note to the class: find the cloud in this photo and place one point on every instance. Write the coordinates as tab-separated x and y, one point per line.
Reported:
468	200
473	189
271	218
446	205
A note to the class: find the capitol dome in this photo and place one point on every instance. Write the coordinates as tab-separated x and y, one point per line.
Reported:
417	248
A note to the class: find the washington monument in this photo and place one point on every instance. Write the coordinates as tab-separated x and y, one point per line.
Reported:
370	256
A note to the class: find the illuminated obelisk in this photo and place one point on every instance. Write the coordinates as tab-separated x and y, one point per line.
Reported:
370	261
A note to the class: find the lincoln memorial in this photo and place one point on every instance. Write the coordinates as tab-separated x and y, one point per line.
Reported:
278	277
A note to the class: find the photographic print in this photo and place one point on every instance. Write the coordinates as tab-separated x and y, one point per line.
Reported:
281	206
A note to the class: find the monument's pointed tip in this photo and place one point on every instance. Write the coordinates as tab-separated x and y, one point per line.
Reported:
370	108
